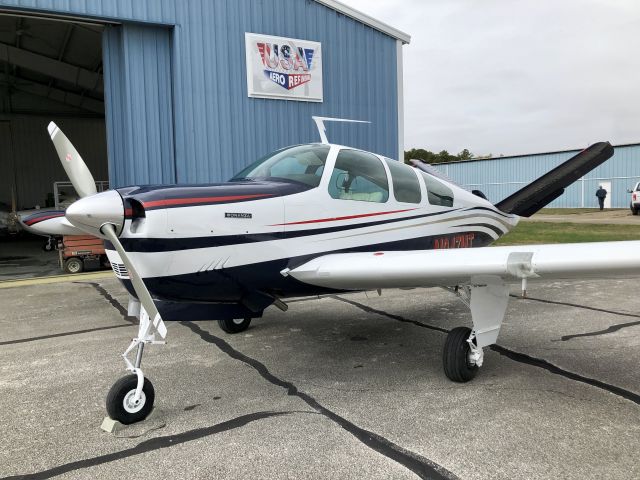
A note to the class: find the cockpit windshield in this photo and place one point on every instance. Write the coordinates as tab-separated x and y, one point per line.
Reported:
303	164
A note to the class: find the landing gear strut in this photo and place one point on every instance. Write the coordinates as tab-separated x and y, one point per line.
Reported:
487	298
49	245
130	399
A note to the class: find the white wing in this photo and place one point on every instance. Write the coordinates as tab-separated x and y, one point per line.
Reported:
359	271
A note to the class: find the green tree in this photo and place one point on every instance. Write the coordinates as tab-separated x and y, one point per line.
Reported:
465	155
433	158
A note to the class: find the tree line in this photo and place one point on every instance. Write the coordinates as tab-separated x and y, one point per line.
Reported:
443	156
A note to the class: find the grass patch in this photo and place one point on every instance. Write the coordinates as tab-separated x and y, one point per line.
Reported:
544	232
573	211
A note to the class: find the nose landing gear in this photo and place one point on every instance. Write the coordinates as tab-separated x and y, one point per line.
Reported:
130	399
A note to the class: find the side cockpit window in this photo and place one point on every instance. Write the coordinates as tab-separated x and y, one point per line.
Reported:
406	187
437	192
359	176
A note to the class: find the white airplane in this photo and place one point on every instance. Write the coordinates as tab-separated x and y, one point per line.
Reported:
315	219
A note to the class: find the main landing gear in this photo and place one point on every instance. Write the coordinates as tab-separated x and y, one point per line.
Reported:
50	244
463	355
235	325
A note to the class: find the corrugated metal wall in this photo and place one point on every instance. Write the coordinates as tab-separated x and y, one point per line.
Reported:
29	154
139	107
500	177
217	129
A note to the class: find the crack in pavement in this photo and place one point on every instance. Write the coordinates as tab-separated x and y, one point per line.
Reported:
155	443
114	303
63	334
421	466
392	316
611	329
513	355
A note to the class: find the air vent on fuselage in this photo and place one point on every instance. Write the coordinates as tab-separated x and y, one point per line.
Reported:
120	270
137	209
137	215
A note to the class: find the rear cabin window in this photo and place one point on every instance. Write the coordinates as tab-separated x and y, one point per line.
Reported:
406	187
437	192
359	176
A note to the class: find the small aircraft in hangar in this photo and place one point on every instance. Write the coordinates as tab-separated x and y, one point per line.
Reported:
315	219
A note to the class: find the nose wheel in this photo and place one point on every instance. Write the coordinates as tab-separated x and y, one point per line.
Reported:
122	404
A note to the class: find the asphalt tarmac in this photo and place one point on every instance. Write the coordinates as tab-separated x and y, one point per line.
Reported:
340	387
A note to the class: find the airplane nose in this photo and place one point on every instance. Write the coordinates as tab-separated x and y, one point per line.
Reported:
92	212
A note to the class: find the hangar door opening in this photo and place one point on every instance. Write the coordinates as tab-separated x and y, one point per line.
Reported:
50	70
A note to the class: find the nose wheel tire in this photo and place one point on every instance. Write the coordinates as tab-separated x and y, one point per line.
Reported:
235	325
456	356
120	400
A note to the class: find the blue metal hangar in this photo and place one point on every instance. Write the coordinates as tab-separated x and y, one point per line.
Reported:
499	177
187	91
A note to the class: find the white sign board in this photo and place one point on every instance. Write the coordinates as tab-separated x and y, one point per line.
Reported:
285	68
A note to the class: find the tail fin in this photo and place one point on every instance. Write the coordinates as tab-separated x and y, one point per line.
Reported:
539	193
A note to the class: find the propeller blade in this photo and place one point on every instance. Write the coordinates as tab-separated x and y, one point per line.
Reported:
72	162
138	285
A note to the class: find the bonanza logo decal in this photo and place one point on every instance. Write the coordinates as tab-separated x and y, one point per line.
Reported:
286	65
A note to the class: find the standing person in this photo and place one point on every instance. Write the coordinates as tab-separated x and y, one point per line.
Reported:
601	193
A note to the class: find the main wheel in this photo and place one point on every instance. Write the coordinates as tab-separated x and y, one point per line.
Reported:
634	210
120	404
235	325
456	356
73	265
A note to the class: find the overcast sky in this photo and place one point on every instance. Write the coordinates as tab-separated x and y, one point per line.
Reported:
509	76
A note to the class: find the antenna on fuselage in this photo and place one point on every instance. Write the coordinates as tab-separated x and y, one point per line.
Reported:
322	129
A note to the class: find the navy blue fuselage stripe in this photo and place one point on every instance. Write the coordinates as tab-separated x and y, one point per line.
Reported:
497	212
267	189
211	202
230	284
498	231
148	245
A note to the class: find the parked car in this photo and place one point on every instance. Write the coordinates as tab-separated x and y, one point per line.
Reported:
635	199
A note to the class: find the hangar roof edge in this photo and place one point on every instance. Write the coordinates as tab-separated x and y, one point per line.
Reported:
366	19
505	157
